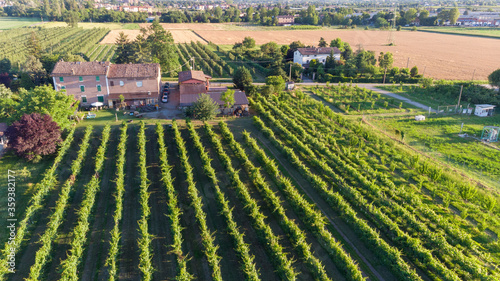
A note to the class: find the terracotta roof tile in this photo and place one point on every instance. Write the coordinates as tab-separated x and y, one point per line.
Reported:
317	51
134	70
193	74
80	68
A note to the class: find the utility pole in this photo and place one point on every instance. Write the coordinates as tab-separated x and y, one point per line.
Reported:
290	73
385	72
460	96
192	61
408	63
425	67
473	75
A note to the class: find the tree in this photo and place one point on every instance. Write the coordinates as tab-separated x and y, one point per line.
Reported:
124	53
322	42
34	68
71	18
267	90
337	42
46	100
228	98
162	48
248	42
34	135
494	78
277	82
385	60
205	108
242	78
414	71
453	15
7	102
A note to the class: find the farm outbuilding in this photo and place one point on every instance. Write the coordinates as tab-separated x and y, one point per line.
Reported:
484	110
490	133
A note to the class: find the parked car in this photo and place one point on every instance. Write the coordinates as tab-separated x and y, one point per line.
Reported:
167	85
166	91
164	99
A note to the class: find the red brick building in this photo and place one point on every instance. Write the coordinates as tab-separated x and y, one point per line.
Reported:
194	83
104	82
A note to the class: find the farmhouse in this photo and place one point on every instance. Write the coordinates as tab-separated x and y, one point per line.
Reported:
303	56
193	83
102	83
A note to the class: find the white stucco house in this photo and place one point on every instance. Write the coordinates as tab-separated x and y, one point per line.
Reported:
303	56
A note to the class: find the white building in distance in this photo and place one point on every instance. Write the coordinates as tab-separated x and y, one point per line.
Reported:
303	56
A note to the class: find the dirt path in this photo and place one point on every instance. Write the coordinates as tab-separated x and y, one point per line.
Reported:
159	224
128	267
27	254
342	232
393	95
102	224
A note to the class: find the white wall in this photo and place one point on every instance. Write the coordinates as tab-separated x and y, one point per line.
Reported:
300	59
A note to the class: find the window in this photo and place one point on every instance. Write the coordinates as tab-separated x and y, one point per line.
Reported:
61	79
121	83
84	98
100	98
80	78
97	79
139	83
82	89
98	88
307	61
111	83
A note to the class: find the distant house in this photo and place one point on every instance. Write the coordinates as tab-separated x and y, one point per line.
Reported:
193	83
286	20
93	82
303	56
484	110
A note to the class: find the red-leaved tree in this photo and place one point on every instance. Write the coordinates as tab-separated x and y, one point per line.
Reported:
33	136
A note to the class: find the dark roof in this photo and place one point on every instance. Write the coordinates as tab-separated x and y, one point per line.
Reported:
316	51
64	68
134	70
239	98
193	74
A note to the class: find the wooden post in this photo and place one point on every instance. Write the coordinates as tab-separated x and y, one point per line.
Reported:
473	75
408	63
460	96
425	67
385	72
290	73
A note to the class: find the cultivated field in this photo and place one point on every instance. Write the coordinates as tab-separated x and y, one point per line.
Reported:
11	22
304	194
179	35
443	56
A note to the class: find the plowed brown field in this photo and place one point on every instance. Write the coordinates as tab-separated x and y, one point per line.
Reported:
442	56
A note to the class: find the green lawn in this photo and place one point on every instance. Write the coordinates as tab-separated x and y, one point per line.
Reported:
438	135
470	31
12	22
